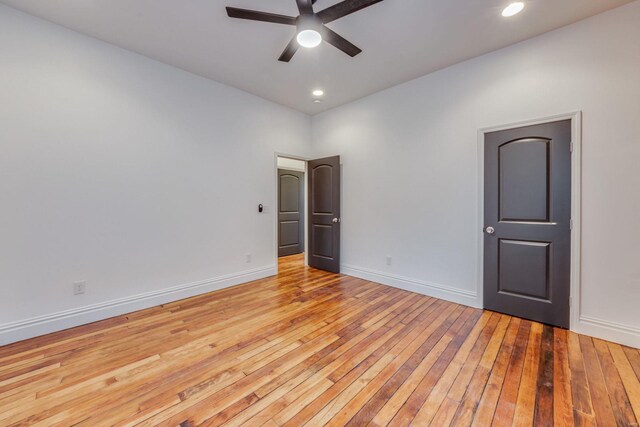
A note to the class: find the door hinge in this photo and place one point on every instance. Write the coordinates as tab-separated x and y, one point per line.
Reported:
570	224
571	147
570	302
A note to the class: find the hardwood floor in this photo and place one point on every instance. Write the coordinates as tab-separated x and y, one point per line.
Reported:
310	347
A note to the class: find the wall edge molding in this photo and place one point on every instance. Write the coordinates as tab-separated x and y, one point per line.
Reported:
61	320
603	329
431	289
611	331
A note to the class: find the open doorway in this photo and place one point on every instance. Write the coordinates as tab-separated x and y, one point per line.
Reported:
291	210
307	213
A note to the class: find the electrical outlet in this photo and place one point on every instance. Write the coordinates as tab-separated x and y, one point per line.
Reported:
79	288
248	258
266	209
389	260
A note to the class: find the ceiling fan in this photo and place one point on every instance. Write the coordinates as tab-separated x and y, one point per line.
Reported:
311	28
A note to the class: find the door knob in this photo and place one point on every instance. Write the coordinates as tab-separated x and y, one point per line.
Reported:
336	220
490	230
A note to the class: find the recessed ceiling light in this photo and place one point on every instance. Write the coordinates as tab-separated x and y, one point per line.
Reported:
309	38
318	92
317	101
513	9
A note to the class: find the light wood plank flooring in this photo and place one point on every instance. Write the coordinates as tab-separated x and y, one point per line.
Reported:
310	347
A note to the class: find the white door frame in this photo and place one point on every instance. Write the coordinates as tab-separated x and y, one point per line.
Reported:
576	205
276	207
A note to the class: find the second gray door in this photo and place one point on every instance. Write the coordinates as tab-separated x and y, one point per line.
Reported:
324	213
527	211
290	212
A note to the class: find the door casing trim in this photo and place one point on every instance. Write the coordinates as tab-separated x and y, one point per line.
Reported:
275	203
576	207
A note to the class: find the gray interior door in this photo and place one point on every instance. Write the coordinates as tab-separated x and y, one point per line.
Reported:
290	212
324	213
527	213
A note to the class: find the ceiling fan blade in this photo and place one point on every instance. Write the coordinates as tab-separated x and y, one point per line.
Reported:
290	50
344	8
340	42
305	6
255	15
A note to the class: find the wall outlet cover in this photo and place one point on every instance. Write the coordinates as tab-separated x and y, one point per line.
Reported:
79	288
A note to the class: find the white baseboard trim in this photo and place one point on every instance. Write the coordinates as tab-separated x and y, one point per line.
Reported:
610	331
603	329
435	290
41	325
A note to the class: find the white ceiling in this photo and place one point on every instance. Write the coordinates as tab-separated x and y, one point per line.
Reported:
401	39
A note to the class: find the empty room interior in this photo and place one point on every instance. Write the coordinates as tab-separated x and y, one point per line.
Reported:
319	212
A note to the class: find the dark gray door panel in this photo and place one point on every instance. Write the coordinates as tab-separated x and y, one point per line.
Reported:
290	212
527	211
324	214
524	185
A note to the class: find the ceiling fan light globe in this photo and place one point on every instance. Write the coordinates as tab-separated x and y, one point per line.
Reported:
309	38
513	9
